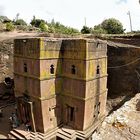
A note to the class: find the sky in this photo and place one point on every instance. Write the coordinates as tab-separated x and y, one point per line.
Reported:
74	12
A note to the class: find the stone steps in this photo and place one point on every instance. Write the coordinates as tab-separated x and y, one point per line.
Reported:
14	135
66	133
11	136
22	133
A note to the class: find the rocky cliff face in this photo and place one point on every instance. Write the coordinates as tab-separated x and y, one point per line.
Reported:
6	51
123	71
123	74
122	124
6	59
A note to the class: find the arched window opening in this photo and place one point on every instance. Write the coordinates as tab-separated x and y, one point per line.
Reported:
98	70
73	69
52	69
25	67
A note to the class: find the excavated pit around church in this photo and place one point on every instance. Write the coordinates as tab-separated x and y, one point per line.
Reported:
123	82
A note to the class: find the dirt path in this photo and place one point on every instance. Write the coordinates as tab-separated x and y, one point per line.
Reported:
8	35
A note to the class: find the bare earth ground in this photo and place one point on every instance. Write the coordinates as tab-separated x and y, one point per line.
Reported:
6	35
4	121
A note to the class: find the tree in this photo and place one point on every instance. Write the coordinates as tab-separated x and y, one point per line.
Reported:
33	21
20	22
57	27
52	27
36	22
112	26
85	30
52	22
98	30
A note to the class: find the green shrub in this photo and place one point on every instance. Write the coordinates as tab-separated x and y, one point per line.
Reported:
43	27
51	29
112	26
85	30
20	22
36	22
58	28
9	26
98	30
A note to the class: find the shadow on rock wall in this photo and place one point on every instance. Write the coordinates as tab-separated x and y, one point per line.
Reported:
123	73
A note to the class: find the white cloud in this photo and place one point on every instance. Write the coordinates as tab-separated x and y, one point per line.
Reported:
121	1
1	10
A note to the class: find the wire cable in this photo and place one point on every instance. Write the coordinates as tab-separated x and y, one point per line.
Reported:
115	67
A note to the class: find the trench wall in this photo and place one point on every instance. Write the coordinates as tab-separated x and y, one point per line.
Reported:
123	71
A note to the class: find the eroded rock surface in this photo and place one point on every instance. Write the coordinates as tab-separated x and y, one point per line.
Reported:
122	124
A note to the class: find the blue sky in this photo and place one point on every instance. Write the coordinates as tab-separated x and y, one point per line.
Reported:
73	12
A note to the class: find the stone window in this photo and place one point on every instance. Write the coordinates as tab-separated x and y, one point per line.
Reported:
98	70
25	67
52	69
73	69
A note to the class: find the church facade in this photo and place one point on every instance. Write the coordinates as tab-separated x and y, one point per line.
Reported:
60	85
